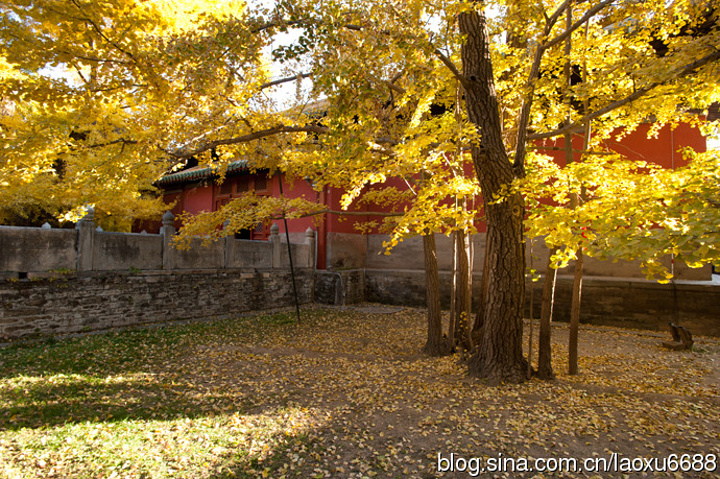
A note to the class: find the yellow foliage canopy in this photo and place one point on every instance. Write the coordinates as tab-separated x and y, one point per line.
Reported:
108	96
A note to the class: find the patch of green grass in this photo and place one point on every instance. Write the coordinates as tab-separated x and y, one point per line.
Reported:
181	447
132	403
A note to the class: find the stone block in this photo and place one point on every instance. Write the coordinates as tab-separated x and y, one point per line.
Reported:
37	249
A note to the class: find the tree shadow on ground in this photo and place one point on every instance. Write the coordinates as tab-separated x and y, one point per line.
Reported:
79	398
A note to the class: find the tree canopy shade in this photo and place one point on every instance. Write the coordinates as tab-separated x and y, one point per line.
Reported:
414	91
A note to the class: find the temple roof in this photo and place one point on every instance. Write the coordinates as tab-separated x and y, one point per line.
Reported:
201	172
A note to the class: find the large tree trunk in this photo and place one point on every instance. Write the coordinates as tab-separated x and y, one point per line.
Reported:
499	356
435	346
480	316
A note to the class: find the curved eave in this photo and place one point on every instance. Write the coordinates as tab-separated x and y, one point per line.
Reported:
196	174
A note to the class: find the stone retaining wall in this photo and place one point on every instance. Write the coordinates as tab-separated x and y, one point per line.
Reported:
59	281
66	281
640	304
628	303
57	303
50	304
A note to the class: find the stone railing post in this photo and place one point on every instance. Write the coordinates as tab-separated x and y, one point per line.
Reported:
310	241
276	246
167	232
86	241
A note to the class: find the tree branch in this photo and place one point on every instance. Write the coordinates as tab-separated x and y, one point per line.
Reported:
284	80
382	214
519	161
451	66
567	32
277	24
114	142
94	59
552	20
102	35
250	137
582	152
526	109
360	213
443	58
686	70
395	87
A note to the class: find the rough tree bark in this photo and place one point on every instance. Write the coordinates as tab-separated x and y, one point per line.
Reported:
498	357
480	316
435	346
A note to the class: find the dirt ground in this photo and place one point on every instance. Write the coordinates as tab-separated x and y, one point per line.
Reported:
376	407
348	394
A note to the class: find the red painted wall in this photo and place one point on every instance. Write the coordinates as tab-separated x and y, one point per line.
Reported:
662	150
198	199
206	196
296	188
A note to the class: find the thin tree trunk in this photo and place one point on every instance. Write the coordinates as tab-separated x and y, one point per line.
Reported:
578	277
499	356
453	294
435	345
462	333
531	312
469	253
575	315
567	140
545	370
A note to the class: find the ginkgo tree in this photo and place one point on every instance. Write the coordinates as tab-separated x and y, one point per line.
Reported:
630	210
634	210
108	96
660	103
150	84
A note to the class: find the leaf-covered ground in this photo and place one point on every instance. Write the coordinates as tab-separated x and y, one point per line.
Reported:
344	395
